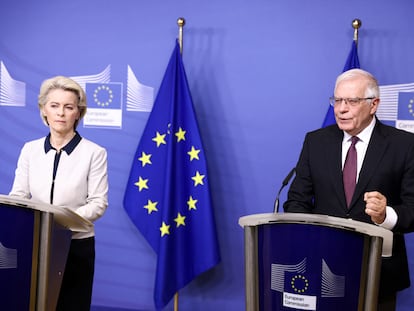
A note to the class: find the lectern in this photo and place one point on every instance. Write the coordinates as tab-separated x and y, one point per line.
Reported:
297	261
34	243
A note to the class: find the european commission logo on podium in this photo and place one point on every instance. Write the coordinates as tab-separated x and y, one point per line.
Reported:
8	257
295	286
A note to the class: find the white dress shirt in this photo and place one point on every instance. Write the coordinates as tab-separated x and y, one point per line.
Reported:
361	147
81	181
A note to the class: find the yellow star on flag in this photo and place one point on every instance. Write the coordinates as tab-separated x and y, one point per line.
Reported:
180	220
165	229
193	153
191	203
145	159
198	179
151	207
141	183
159	139
180	134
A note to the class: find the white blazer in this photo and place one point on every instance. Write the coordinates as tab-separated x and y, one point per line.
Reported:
81	181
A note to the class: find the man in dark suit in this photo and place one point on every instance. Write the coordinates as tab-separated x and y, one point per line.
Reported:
384	190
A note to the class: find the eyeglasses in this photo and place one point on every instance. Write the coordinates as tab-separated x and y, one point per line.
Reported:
349	101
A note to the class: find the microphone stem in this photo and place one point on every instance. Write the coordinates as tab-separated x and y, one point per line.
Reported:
276	206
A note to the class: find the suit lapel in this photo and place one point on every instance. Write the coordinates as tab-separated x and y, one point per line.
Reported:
334	162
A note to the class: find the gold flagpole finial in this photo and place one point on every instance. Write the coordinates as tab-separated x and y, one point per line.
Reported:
180	23
356	24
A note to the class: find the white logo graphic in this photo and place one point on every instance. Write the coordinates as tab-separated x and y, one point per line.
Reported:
12	92
332	285
278	274
139	97
102	77
104	105
388	108
295	297
8	257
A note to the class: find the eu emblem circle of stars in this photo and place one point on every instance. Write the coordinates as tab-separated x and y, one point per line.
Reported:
142	183
299	284
410	107
103	91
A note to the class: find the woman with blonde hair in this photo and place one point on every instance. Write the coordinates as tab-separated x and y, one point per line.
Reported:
66	170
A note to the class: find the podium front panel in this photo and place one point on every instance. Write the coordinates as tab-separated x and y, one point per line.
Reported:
311	268
18	227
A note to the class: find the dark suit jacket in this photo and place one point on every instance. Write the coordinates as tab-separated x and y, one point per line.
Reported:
388	168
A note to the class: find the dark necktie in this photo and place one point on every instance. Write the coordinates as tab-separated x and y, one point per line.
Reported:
350	171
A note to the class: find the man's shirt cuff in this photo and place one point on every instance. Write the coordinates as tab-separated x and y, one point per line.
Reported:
390	219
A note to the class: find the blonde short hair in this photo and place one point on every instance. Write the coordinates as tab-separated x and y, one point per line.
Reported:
66	84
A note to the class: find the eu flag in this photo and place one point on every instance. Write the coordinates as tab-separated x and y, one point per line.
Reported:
351	63
167	196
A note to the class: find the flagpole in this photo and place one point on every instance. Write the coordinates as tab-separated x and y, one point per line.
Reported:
176	301
356	24
181	23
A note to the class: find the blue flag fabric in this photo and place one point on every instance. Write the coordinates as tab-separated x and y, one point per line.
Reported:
351	63
167	196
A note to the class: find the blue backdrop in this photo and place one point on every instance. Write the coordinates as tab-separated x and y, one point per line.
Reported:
260	73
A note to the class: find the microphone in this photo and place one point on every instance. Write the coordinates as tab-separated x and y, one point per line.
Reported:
284	184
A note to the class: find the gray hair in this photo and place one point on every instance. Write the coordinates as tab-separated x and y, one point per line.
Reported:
372	88
66	84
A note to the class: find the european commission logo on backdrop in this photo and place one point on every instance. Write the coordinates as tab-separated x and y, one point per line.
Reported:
405	118
104	105
105	98
397	105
